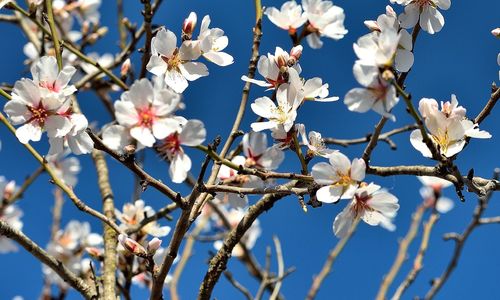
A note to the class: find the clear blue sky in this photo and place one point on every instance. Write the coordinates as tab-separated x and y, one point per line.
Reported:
460	59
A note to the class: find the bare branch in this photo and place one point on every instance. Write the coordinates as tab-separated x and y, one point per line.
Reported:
385	137
238	285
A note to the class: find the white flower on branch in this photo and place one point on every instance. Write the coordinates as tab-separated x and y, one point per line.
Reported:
289	17
388	22
105	60
340	177
424	12
373	205
191	133
66	168
448	127
275	68
210	43
283	114
47	76
311	89
315	143
377	94
431	192
74	238
172	63
133	213
325	19
12	215
147	112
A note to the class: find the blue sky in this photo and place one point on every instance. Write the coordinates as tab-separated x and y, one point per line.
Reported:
461	59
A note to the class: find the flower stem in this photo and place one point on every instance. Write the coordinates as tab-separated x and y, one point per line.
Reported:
53	30
298	150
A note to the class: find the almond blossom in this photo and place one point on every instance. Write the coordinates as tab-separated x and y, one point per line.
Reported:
146	112
403	59
47	76
373	205
431	192
340	177
424	12
312	89
275	68
12	216
66	168
284	113
210	43
377	94
325	19
172	63
315	144
289	17
133	213
36	113
191	133
448	128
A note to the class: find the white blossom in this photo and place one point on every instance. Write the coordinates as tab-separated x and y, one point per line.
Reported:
431	192
373	205
12	216
377	93
284	113
340	177
47	76
325	19
192	133
315	144
133	213
172	63
289	17
425	12
66	168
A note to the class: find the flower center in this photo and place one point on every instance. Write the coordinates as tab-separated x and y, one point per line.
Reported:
442	140
171	145
424	3
146	117
253	160
38	114
279	115
344	179
51	86
361	204
173	62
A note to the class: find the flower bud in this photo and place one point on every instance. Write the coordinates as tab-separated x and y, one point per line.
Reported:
390	11
296	52
131	245
372	25
496	32
125	69
189	25
281	61
94	252
9	189
153	245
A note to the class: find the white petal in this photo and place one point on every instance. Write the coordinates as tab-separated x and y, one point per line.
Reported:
27	132
164	127
329	193
193	70
143	135
323	173
219	58
417	143
193	133
444	205
343	222
359	100
180	165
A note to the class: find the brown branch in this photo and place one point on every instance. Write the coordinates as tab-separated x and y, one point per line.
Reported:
460	240
19	193
332	256
131	164
69	277
279	189
281	268
110	236
219	262
238	285
495	95
148	17
56	213
417	263
402	254
491	220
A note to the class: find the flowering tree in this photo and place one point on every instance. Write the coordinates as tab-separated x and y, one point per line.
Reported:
243	173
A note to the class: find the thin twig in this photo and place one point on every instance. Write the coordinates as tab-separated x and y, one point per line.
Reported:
281	268
22	189
237	285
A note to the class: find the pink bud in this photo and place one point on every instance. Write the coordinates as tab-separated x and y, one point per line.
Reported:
131	245
153	245
390	11
9	189
296	52
189	24
496	32
93	251
372	25
125	67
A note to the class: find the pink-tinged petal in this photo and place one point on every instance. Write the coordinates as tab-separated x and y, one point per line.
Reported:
261	83
176	81
219	58
27	91
417	143
384	202
193	70
157	66
340	162
125	113
165	42
57	126
444	205
263	107
164	127
434	181
27	132
358	169
193	133
80	143
343	222
324	173
359	100
180	165
254	142
271	158
143	135
259	126
329	193
17	111
45	70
